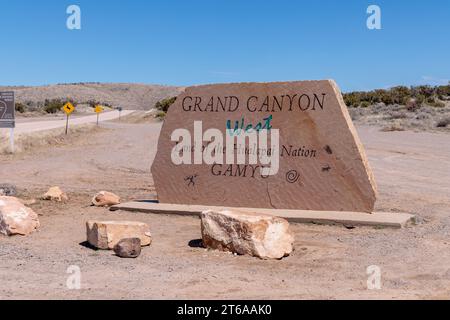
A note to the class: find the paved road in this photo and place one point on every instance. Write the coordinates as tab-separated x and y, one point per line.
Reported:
34	126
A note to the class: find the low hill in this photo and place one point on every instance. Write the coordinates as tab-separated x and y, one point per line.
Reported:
127	96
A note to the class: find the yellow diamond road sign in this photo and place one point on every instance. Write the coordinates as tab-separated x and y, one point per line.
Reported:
68	108
98	109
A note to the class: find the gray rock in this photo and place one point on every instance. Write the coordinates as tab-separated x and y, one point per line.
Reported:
128	248
8	190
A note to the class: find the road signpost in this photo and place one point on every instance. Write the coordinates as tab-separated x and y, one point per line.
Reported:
120	111
7	114
68	109
98	110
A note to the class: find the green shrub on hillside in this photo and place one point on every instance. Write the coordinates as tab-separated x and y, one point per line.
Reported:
160	115
400	95
437	104
20	107
93	103
164	104
364	104
55	105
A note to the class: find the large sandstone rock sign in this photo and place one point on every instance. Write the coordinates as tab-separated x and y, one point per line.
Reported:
322	164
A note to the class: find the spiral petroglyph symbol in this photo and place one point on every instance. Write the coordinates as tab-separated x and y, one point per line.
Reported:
292	176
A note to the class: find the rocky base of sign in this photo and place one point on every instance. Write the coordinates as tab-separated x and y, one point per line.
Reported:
246	233
8	190
105	199
15	218
128	248
28	202
55	194
106	234
396	220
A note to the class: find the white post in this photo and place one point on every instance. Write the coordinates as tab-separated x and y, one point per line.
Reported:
11	139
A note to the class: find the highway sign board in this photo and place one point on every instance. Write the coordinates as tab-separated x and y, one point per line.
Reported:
7	110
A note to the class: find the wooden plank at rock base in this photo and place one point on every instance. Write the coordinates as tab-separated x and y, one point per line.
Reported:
322	163
377	219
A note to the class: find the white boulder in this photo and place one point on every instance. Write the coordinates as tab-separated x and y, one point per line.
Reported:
244	233
15	218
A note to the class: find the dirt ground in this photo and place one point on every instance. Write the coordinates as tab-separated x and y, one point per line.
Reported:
413	174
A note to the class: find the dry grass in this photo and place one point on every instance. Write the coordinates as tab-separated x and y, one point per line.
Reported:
25	143
138	117
444	123
396	126
400	118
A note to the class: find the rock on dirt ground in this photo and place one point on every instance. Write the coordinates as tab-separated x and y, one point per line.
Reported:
257	235
15	218
106	234
128	248
105	199
55	194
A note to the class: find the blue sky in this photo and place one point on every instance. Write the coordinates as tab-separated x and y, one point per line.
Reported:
185	42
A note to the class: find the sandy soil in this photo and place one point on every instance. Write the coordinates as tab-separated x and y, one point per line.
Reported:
412	171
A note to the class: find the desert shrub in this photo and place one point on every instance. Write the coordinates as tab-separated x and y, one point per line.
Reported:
399	115
430	100
392	115
55	105
20	107
387	99
364	104
164	104
443	92
399	95
423	116
396	126
426	91
437	104
413	105
443	123
355	113
379	108
94	103
160	115
420	99
351	99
